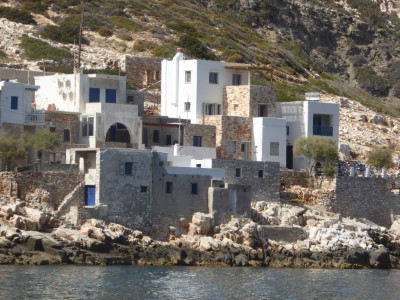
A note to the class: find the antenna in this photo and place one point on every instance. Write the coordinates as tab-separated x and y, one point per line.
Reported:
80	33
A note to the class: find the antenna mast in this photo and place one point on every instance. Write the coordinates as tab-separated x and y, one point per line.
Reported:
80	34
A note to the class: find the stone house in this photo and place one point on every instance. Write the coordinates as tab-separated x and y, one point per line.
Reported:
109	114
139	189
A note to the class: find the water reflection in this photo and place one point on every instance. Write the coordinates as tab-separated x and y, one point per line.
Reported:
72	282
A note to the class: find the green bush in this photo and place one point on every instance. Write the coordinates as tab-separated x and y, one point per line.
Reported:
36	49
35	6
394	72
104	31
165	51
194	47
372	82
16	15
3	55
125	23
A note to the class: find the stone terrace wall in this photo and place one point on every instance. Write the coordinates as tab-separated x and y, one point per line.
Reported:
368	198
58	184
262	189
290	178
20	75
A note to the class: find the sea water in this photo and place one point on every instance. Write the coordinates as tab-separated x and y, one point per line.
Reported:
133	282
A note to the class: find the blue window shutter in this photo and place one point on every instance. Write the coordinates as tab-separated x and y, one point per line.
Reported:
111	96
128	168
14	102
94	95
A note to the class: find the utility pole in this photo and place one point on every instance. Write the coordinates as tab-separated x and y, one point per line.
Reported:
80	34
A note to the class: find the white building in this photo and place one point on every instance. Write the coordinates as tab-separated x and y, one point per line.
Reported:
16	104
190	88
308	118
109	113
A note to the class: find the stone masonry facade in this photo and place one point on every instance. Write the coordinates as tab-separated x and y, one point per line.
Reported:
369	198
207	134
262	178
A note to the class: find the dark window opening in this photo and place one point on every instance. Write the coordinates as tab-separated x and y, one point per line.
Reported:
197	139
213	78
14	102
262	110
168	140
128	168
194	188
143	189
236	79
238	172
67	136
168	187
260	173
111	96
156	136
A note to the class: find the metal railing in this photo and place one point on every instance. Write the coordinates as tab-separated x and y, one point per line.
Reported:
34	118
323	130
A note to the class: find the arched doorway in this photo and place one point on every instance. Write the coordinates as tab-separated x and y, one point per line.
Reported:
118	133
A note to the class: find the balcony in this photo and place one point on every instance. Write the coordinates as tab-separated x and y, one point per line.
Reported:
323	130
35	118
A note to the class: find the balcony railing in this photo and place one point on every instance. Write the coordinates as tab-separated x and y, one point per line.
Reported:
323	130
35	118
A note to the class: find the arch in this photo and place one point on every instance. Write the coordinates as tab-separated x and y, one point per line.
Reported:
118	133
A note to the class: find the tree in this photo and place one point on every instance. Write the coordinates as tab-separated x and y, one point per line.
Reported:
11	148
380	157
43	140
317	149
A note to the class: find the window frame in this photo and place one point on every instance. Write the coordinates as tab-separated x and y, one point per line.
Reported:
236	79
233	145
197	141
168	187
113	94
186	106
128	168
238	172
260	173
87	127
274	148
14	102
213	77
188	76
94	95
261	108
194	188
67	135
156	136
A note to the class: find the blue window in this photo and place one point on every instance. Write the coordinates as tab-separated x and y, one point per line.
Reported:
94	95
14	102
111	96
197	141
128	168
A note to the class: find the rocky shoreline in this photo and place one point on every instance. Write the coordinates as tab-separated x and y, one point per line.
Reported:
277	235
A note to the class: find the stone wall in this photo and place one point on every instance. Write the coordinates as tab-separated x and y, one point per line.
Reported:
127	196
290	178
206	132
265	188
58	184
244	100
368	198
20	75
180	202
58	122
144	73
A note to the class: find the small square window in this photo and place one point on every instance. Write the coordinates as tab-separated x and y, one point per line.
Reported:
238	172
262	110
67	137
94	95
236	79
198	165
128	168
197	139
188	76
143	189
168	187
274	149
260	173
194	188
14	102
230	147
213	78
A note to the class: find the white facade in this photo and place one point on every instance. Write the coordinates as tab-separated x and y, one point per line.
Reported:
269	140
190	88
308	118
16	104
102	101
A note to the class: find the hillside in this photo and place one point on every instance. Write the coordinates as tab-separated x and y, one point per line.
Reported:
347	49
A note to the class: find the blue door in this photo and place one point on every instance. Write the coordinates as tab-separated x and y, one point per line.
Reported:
90	195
